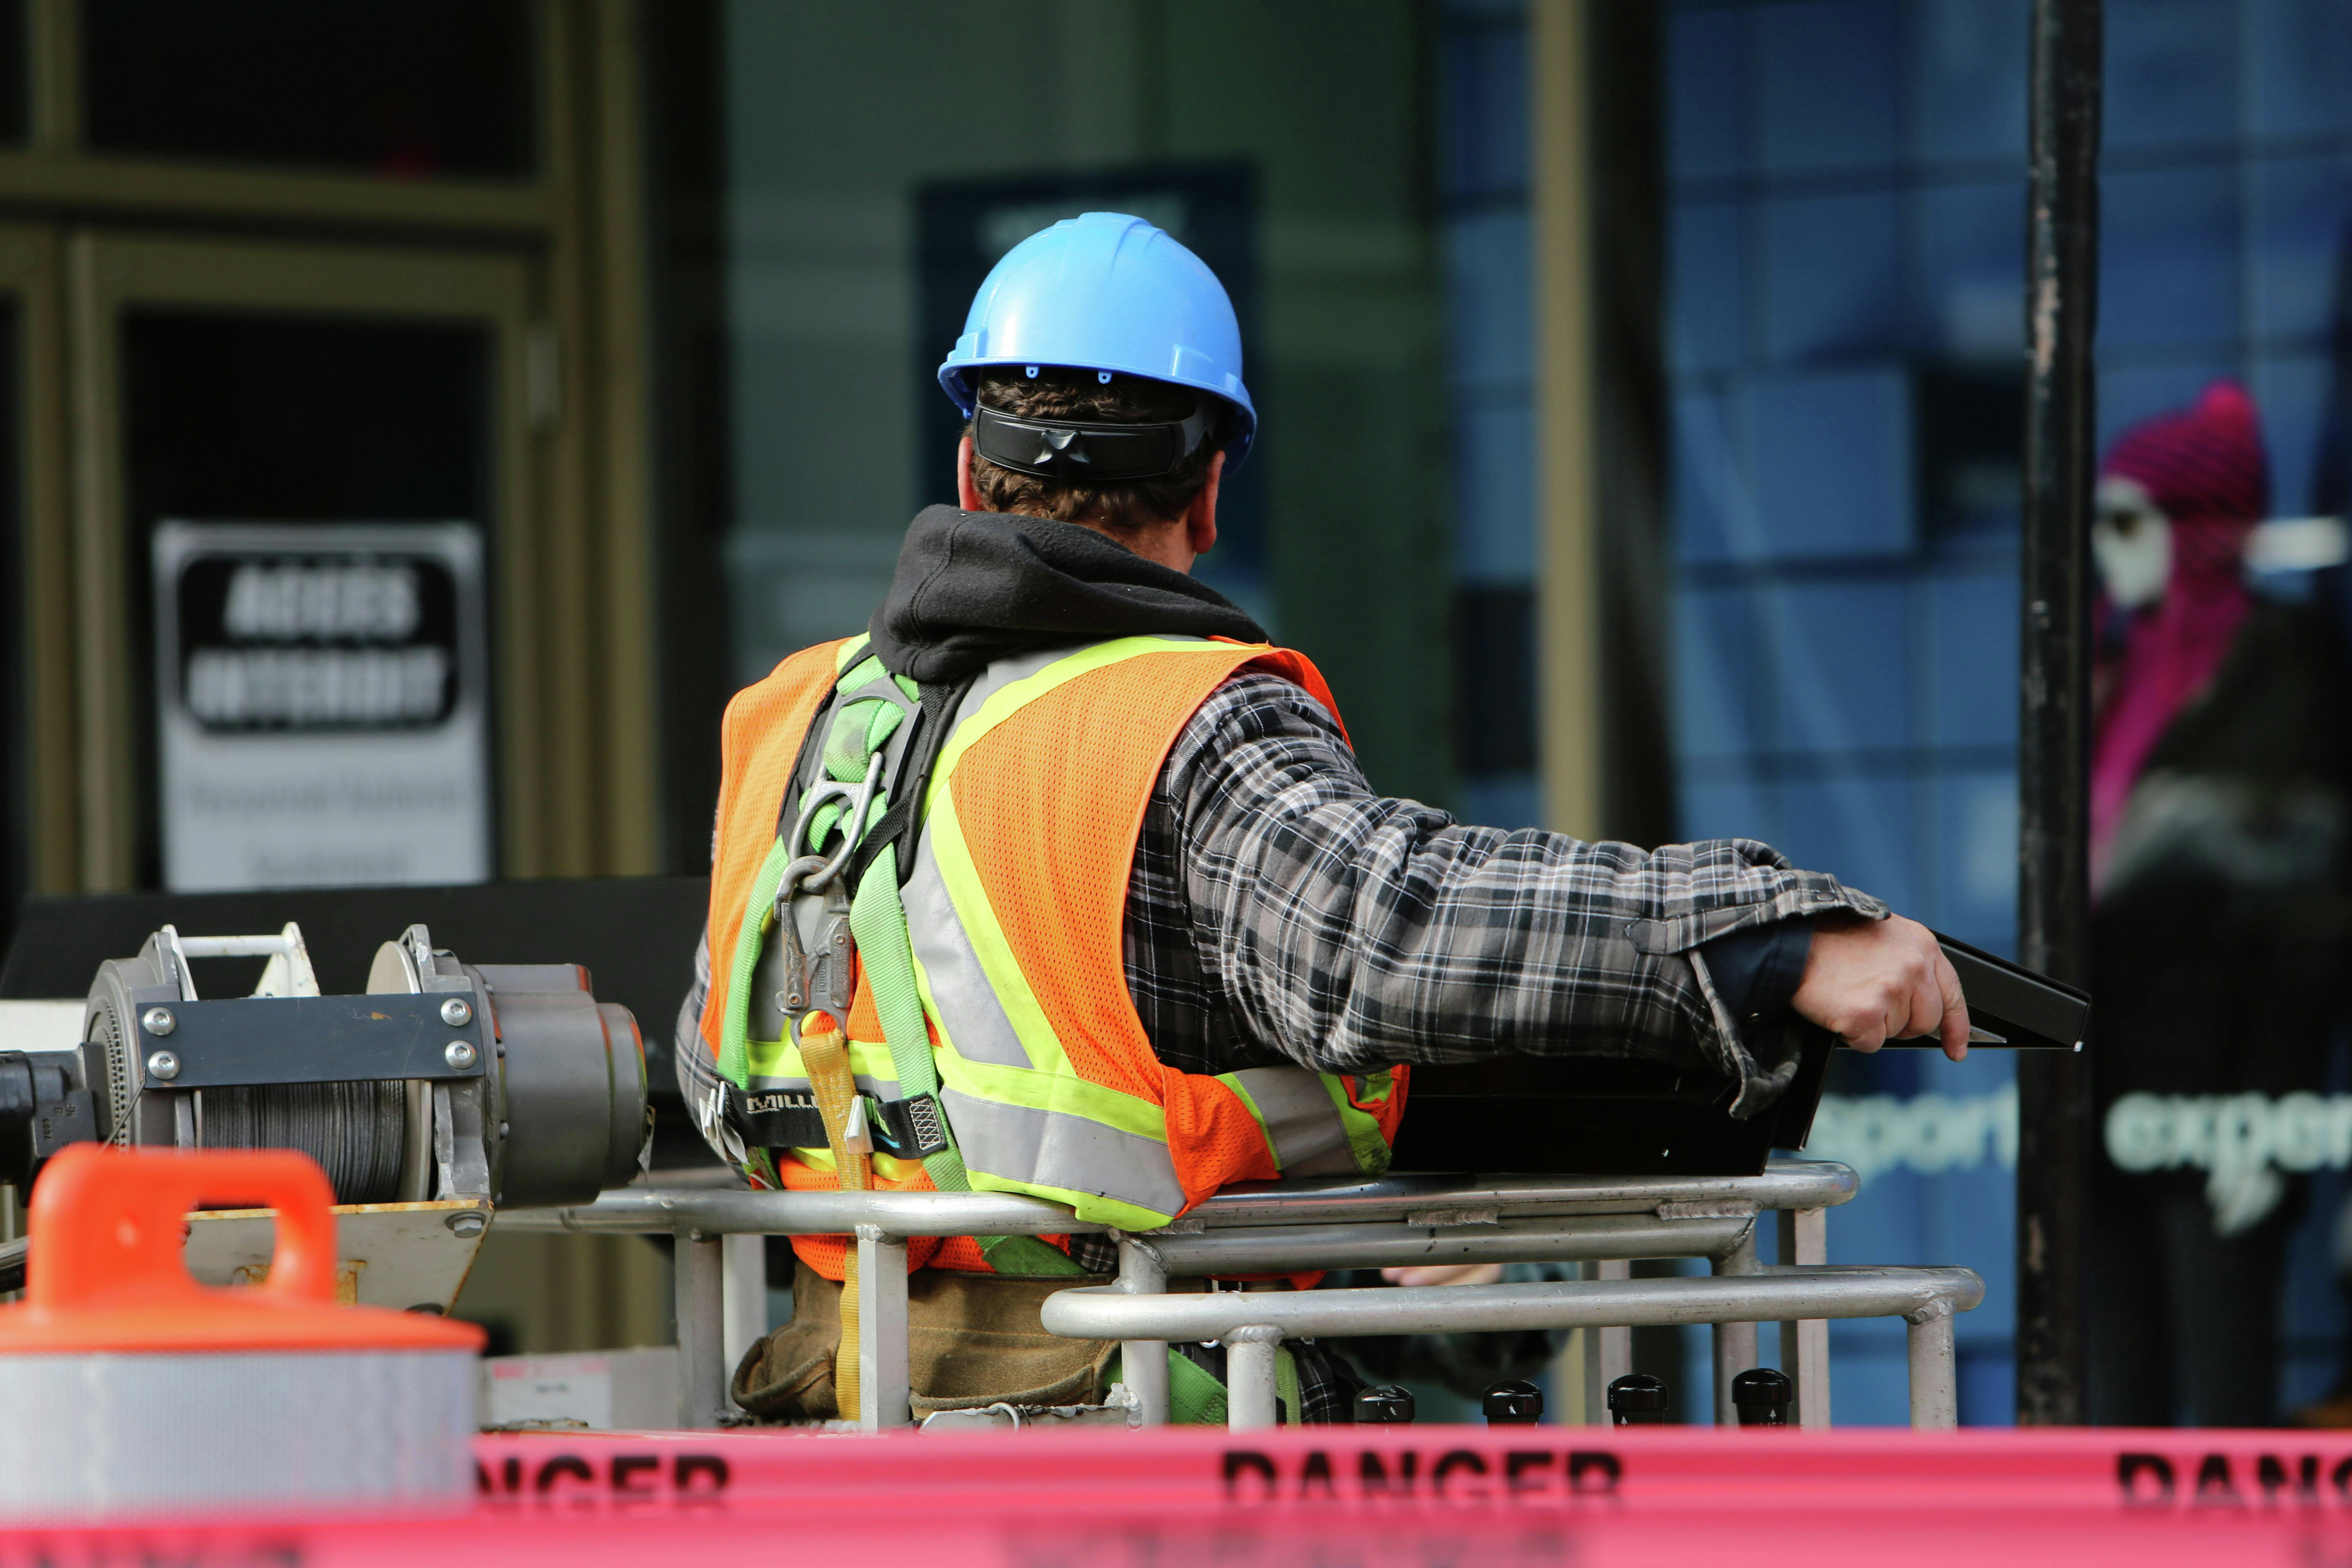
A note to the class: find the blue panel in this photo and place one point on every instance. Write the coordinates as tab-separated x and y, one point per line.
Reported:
1834	472
1974	835
1970	61
1714	500
1923	1203
1827	74
1503	800
1987	1384
1858	829
2172	72
1494	493
1489	308
1972	660
2302	62
2168	258
2129	394
1706	56
1838	664
1719	698
2292	393
1970	246
2301	230
1706	307
1727	807
2314	1298
1869	1371
1832	274
1486	111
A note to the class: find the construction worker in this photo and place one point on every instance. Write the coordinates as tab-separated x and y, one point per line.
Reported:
1128	924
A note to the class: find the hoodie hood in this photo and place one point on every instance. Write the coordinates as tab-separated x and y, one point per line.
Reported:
973	587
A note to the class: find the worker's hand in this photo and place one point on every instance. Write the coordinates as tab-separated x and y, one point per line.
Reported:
1445	1274
1874	981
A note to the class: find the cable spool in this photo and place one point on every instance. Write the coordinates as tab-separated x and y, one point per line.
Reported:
356	1131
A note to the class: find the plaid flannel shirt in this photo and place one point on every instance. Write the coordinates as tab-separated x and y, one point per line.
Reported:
1279	910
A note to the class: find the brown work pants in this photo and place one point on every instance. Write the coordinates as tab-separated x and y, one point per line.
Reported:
972	1340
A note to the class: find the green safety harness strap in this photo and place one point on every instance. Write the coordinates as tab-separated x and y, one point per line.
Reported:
855	743
1195	1397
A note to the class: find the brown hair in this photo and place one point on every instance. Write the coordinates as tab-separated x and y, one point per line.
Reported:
1059	392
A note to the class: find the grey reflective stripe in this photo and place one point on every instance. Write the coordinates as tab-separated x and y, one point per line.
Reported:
1053	1148
1301	1122
968	1011
1004	672
1021	1144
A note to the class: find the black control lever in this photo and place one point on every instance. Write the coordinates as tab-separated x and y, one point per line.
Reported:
2010	1006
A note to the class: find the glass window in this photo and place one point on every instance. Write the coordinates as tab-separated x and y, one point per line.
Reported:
15	93
15	823
251	418
869	191
1845	222
401	89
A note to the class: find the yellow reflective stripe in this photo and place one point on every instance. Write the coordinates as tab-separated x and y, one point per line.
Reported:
781	1058
1021	1006
888	1166
1049	1082
1365	1139
1064	1093
1010	699
1088	1205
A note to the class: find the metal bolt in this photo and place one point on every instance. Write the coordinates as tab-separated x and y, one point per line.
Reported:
158	1021
461	1055
164	1064
467	1222
456	1012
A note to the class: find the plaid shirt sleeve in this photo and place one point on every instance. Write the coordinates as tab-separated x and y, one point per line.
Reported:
1279	909
1349	931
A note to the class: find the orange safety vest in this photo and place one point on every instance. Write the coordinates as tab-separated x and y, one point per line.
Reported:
1014	907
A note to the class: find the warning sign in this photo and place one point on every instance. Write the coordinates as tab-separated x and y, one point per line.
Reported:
322	704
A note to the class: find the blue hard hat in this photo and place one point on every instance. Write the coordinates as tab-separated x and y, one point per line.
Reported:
1103	292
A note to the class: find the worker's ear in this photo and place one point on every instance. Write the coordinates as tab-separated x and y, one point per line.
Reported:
967	492
1201	517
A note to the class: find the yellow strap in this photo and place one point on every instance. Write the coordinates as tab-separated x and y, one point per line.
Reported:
845	1357
826	1058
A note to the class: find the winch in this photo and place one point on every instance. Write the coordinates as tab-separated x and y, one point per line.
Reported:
502	1084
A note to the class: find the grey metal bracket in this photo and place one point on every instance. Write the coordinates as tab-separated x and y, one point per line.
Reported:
305	1039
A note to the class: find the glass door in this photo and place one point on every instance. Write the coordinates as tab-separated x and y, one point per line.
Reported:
227	391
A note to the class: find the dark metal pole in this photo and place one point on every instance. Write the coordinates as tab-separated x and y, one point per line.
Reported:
2053	757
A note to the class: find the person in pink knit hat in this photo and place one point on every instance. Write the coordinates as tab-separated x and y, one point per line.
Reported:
2218	787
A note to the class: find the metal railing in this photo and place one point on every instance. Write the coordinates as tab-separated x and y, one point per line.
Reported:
1599	1223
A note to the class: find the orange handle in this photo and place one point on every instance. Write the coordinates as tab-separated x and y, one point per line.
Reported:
107	1224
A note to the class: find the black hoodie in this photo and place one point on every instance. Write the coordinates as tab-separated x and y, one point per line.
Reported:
975	586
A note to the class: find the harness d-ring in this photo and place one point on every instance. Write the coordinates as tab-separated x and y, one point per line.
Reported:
852	826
